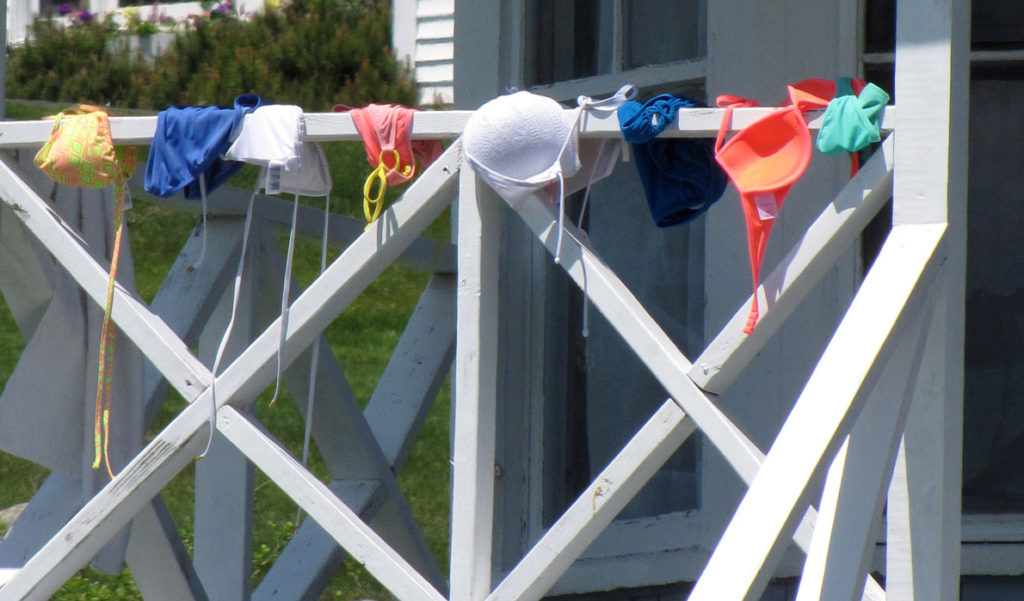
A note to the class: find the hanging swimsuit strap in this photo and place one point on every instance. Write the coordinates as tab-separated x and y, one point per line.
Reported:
729	102
584	104
101	426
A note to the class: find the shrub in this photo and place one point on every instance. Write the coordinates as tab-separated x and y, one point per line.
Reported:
76	63
313	53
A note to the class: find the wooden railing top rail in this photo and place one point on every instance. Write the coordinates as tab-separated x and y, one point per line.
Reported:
327	127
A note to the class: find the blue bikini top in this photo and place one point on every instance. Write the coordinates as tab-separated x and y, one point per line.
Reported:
189	142
680	177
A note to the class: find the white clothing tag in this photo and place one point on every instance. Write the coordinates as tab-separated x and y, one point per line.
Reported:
766	208
273	184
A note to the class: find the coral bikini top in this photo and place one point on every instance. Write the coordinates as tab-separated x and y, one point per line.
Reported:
765	159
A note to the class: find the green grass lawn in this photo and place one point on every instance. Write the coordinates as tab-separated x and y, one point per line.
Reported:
362	339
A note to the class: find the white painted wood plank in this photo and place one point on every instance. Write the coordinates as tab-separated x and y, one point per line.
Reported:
435	28
832	233
311	557
475	397
434	51
158	560
327	127
441	93
174	446
415	372
387	566
435	8
182	369
425	254
855	489
403	30
435	72
879	315
597	506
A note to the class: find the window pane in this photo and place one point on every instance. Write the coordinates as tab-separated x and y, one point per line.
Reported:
664	268
661	32
994	353
995	25
880	26
567	39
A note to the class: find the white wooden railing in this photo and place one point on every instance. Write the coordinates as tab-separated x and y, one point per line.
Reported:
848	420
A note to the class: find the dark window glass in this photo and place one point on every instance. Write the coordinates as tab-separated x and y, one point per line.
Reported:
561	40
995	25
570	39
661	32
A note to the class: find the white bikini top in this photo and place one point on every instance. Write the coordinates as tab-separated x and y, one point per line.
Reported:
521	142
270	138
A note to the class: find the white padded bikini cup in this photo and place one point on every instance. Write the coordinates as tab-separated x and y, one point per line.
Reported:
514	143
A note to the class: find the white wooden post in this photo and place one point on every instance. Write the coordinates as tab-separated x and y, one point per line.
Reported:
930	186
476	357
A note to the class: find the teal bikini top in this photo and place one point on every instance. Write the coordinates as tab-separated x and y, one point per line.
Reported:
850	122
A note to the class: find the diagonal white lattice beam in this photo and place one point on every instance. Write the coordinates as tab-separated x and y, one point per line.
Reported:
177	444
597	506
313	496
834	230
158	342
881	314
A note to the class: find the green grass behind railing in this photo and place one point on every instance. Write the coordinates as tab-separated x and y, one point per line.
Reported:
362	339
